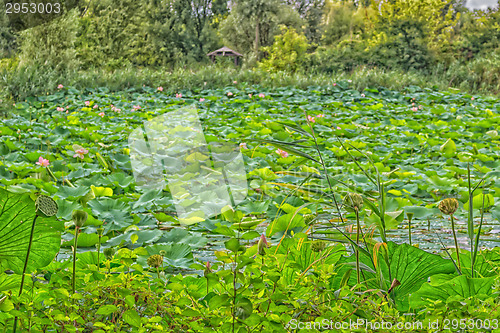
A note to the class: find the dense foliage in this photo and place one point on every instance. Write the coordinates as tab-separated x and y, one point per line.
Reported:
425	36
282	256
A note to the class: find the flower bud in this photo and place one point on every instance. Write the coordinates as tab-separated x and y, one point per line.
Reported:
208	269
262	245
155	261
79	218
353	201
448	206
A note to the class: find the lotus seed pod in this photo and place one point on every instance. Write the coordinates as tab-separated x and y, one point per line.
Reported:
262	244
318	246
79	218
109	253
308	218
353	201
155	260
409	216
45	206
448	206
163	253
100	231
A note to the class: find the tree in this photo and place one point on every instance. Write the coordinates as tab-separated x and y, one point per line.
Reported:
197	36
288	52
7	37
253	23
438	18
311	11
343	20
259	12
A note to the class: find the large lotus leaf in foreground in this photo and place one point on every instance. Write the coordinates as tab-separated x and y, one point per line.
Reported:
17	212
411	266
461	287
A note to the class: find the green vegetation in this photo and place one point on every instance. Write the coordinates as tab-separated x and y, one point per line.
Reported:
320	238
369	132
122	43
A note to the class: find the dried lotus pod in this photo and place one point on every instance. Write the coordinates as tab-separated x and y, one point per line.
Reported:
45	206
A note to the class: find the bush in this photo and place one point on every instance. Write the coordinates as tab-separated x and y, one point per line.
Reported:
288	53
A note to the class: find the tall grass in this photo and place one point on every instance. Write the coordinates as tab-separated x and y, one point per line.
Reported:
17	82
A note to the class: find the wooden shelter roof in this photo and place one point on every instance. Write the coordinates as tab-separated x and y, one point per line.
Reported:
223	51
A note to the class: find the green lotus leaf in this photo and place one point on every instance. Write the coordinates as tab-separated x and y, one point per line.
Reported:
17	212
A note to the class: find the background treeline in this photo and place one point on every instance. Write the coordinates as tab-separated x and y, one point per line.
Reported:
100	40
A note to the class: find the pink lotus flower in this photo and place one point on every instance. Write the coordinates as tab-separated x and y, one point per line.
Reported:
362	95
101	114
282	153
60	109
338	127
412	104
178	95
229	94
320	115
234	82
250	95
261	95
136	107
160	89
115	109
349	81
472	98
202	100
67	111
96	106
60	86
80	153
243	145
414	109
87	103
334	84
311	119
43	162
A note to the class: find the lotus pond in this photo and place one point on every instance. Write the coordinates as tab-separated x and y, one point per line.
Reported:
356	203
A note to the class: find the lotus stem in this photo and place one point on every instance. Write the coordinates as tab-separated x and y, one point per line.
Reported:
358	228
409	216
51	174
100	230
25	265
77	230
456	242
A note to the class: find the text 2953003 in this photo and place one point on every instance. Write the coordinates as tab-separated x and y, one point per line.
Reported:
32	8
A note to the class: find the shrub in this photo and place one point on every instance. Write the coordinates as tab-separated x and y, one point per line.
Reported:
288	52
